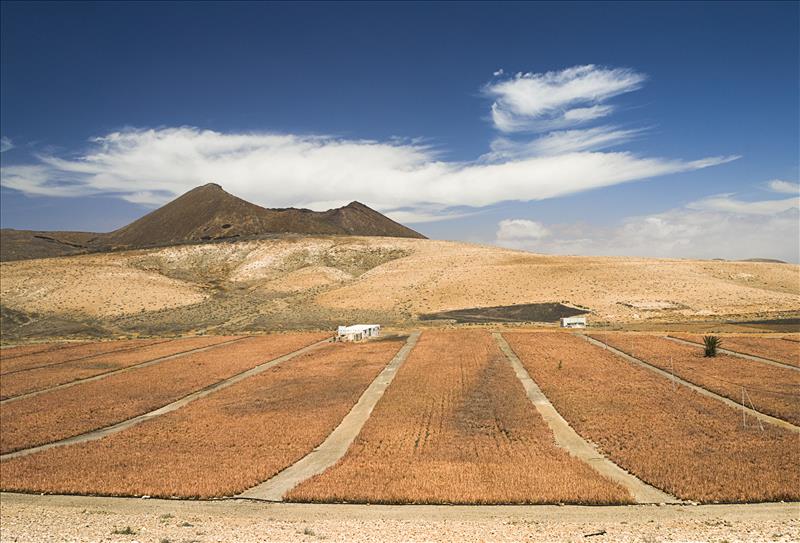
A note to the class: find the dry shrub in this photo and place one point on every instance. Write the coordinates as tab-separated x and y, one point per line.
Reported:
772	390
218	445
67	412
772	348
688	444
37	379
69	353
455	426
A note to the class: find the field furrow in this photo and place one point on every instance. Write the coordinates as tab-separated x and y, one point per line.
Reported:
772	348
772	390
685	443
218	445
455	426
37	379
67	412
70	353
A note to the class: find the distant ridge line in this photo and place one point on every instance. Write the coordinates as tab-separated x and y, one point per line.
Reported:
204	214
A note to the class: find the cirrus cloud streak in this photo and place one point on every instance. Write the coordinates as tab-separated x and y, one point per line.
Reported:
279	170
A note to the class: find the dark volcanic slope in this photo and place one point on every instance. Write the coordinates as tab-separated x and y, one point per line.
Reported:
204	213
25	244
359	220
208	212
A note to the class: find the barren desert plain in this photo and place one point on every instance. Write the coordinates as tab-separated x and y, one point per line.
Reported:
202	378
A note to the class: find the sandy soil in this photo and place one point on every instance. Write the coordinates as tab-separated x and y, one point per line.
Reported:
445	275
92	285
307	282
85	519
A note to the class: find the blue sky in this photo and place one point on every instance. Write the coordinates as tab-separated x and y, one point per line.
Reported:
649	129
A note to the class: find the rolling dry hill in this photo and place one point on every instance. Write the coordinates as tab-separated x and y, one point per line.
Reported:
294	282
203	214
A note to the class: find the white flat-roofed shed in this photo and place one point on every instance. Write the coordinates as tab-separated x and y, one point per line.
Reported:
573	322
357	332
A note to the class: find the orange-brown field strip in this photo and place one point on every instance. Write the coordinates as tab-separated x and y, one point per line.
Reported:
455	426
67	412
37	379
692	446
7	353
773	390
774	348
221	444
70	353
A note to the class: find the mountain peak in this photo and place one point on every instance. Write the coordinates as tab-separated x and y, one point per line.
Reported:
209	187
208	212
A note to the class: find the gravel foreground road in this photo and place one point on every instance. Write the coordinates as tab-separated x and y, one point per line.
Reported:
29	518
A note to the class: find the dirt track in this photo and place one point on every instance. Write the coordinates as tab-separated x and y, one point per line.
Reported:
337	443
79	519
569	439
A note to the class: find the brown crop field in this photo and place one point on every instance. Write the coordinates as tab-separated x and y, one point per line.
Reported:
773	348
218	445
45	377
690	445
70	353
772	390
455	426
7	353
63	413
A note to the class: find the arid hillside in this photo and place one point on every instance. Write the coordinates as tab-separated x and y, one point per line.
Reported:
316	282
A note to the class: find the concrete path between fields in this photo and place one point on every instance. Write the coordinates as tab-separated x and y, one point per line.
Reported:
736	405
567	438
338	442
177	404
140	365
737	354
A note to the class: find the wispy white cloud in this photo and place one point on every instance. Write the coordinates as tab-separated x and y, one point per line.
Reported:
147	197
284	170
784	187
561	142
727	204
5	144
583	114
537	101
406	178
698	230
427	213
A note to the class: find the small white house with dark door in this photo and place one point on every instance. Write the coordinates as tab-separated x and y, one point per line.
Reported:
357	332
573	322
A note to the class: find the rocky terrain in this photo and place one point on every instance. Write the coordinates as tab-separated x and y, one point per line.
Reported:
300	282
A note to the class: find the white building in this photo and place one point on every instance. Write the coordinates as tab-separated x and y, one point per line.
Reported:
573	322
357	332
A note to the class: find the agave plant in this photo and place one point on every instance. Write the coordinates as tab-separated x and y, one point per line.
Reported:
712	343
